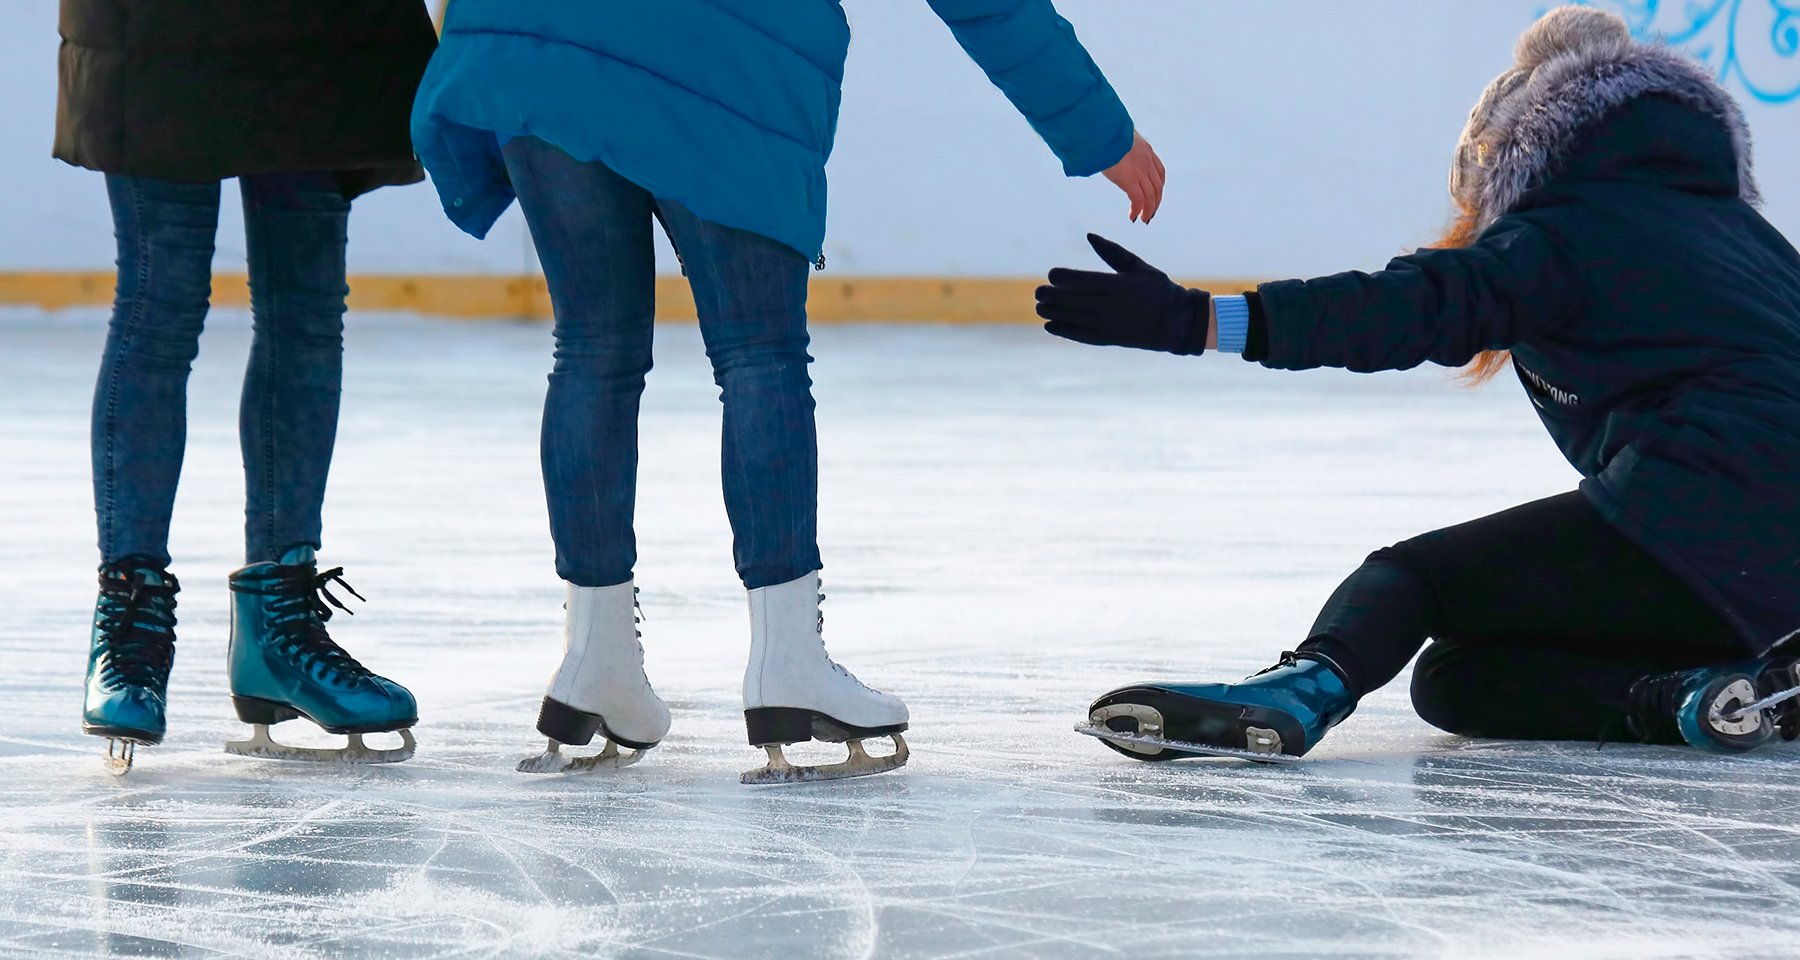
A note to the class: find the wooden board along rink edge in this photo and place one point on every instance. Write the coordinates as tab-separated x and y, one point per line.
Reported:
955	300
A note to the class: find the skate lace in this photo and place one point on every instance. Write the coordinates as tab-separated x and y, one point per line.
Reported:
301	603
637	627
1288	659
840	668
1650	706
136	623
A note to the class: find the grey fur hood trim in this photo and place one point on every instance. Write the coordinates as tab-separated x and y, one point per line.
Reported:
1576	65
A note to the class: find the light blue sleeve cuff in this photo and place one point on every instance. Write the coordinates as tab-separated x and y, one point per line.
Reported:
1234	323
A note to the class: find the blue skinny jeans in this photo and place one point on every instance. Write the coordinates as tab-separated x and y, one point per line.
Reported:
593	228
295	235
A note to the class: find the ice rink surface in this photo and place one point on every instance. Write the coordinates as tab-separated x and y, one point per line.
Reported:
1011	526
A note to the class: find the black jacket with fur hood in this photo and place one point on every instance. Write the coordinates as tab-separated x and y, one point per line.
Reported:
1653	315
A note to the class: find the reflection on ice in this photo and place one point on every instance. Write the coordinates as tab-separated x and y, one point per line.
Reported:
980	580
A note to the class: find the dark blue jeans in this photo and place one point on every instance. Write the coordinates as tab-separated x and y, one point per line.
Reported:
593	228
295	232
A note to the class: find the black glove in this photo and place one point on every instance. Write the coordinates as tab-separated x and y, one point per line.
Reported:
1139	306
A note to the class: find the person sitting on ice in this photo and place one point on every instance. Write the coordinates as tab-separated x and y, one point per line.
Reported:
1610	249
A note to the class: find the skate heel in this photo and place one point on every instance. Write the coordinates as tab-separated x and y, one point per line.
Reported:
778	725
264	712
567	725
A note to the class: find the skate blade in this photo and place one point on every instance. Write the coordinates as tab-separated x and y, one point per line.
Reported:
1766	703
859	764
552	760
261	747
119	756
1182	746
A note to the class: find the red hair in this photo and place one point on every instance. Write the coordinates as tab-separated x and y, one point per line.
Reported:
1489	363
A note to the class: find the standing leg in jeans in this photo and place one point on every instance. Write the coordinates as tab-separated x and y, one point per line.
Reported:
295	231
592	231
283	662
1550	625
750	292
165	234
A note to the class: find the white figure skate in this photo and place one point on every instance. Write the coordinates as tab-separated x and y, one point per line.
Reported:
795	692
600	687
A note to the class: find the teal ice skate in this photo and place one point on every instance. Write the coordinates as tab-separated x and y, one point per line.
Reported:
1729	708
1275	716
132	649
283	664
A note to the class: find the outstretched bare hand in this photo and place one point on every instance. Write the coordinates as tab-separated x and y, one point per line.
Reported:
1140	174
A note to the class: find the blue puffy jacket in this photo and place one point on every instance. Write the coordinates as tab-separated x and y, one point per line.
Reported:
726	106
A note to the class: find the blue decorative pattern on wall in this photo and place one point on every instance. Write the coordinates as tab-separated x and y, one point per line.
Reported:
1751	44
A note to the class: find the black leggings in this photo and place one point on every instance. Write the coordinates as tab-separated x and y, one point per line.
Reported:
1543	616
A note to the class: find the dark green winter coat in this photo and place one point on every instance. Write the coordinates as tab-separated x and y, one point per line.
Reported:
200	90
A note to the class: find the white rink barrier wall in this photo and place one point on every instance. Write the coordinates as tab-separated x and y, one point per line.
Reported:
1302	137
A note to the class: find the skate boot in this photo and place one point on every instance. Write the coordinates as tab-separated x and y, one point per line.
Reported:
1274	716
795	692
132	649
600	686
1719	709
283	664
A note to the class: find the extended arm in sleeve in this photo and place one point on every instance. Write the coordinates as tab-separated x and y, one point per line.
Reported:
1031	53
1443	306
